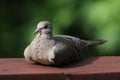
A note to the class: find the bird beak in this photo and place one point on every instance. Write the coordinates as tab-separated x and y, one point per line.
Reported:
36	31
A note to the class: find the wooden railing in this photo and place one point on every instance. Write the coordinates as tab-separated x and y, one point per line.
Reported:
93	68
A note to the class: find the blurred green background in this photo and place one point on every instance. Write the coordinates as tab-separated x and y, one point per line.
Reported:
87	19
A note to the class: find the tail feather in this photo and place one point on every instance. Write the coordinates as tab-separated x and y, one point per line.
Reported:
96	42
93	42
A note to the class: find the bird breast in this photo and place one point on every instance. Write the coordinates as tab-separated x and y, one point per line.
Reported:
44	51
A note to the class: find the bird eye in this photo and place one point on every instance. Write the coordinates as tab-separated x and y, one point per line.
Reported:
46	26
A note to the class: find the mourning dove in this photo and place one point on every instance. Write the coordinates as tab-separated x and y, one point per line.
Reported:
55	50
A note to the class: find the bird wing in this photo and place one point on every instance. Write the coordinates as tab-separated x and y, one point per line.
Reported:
76	42
66	49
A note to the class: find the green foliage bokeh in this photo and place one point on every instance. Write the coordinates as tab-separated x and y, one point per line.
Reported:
87	19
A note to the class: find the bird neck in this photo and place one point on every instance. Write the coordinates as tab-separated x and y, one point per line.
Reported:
46	35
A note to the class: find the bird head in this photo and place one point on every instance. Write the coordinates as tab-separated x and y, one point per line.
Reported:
43	27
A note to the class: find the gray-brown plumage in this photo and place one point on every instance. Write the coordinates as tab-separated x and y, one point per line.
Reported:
55	50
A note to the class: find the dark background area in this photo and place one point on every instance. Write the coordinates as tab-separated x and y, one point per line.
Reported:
87	19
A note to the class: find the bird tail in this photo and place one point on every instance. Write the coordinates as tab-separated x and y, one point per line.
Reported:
94	42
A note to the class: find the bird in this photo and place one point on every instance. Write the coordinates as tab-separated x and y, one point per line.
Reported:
55	50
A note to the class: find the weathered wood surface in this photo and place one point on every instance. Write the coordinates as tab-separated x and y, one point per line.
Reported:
93	68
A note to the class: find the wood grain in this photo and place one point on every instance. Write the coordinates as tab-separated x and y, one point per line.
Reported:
93	68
